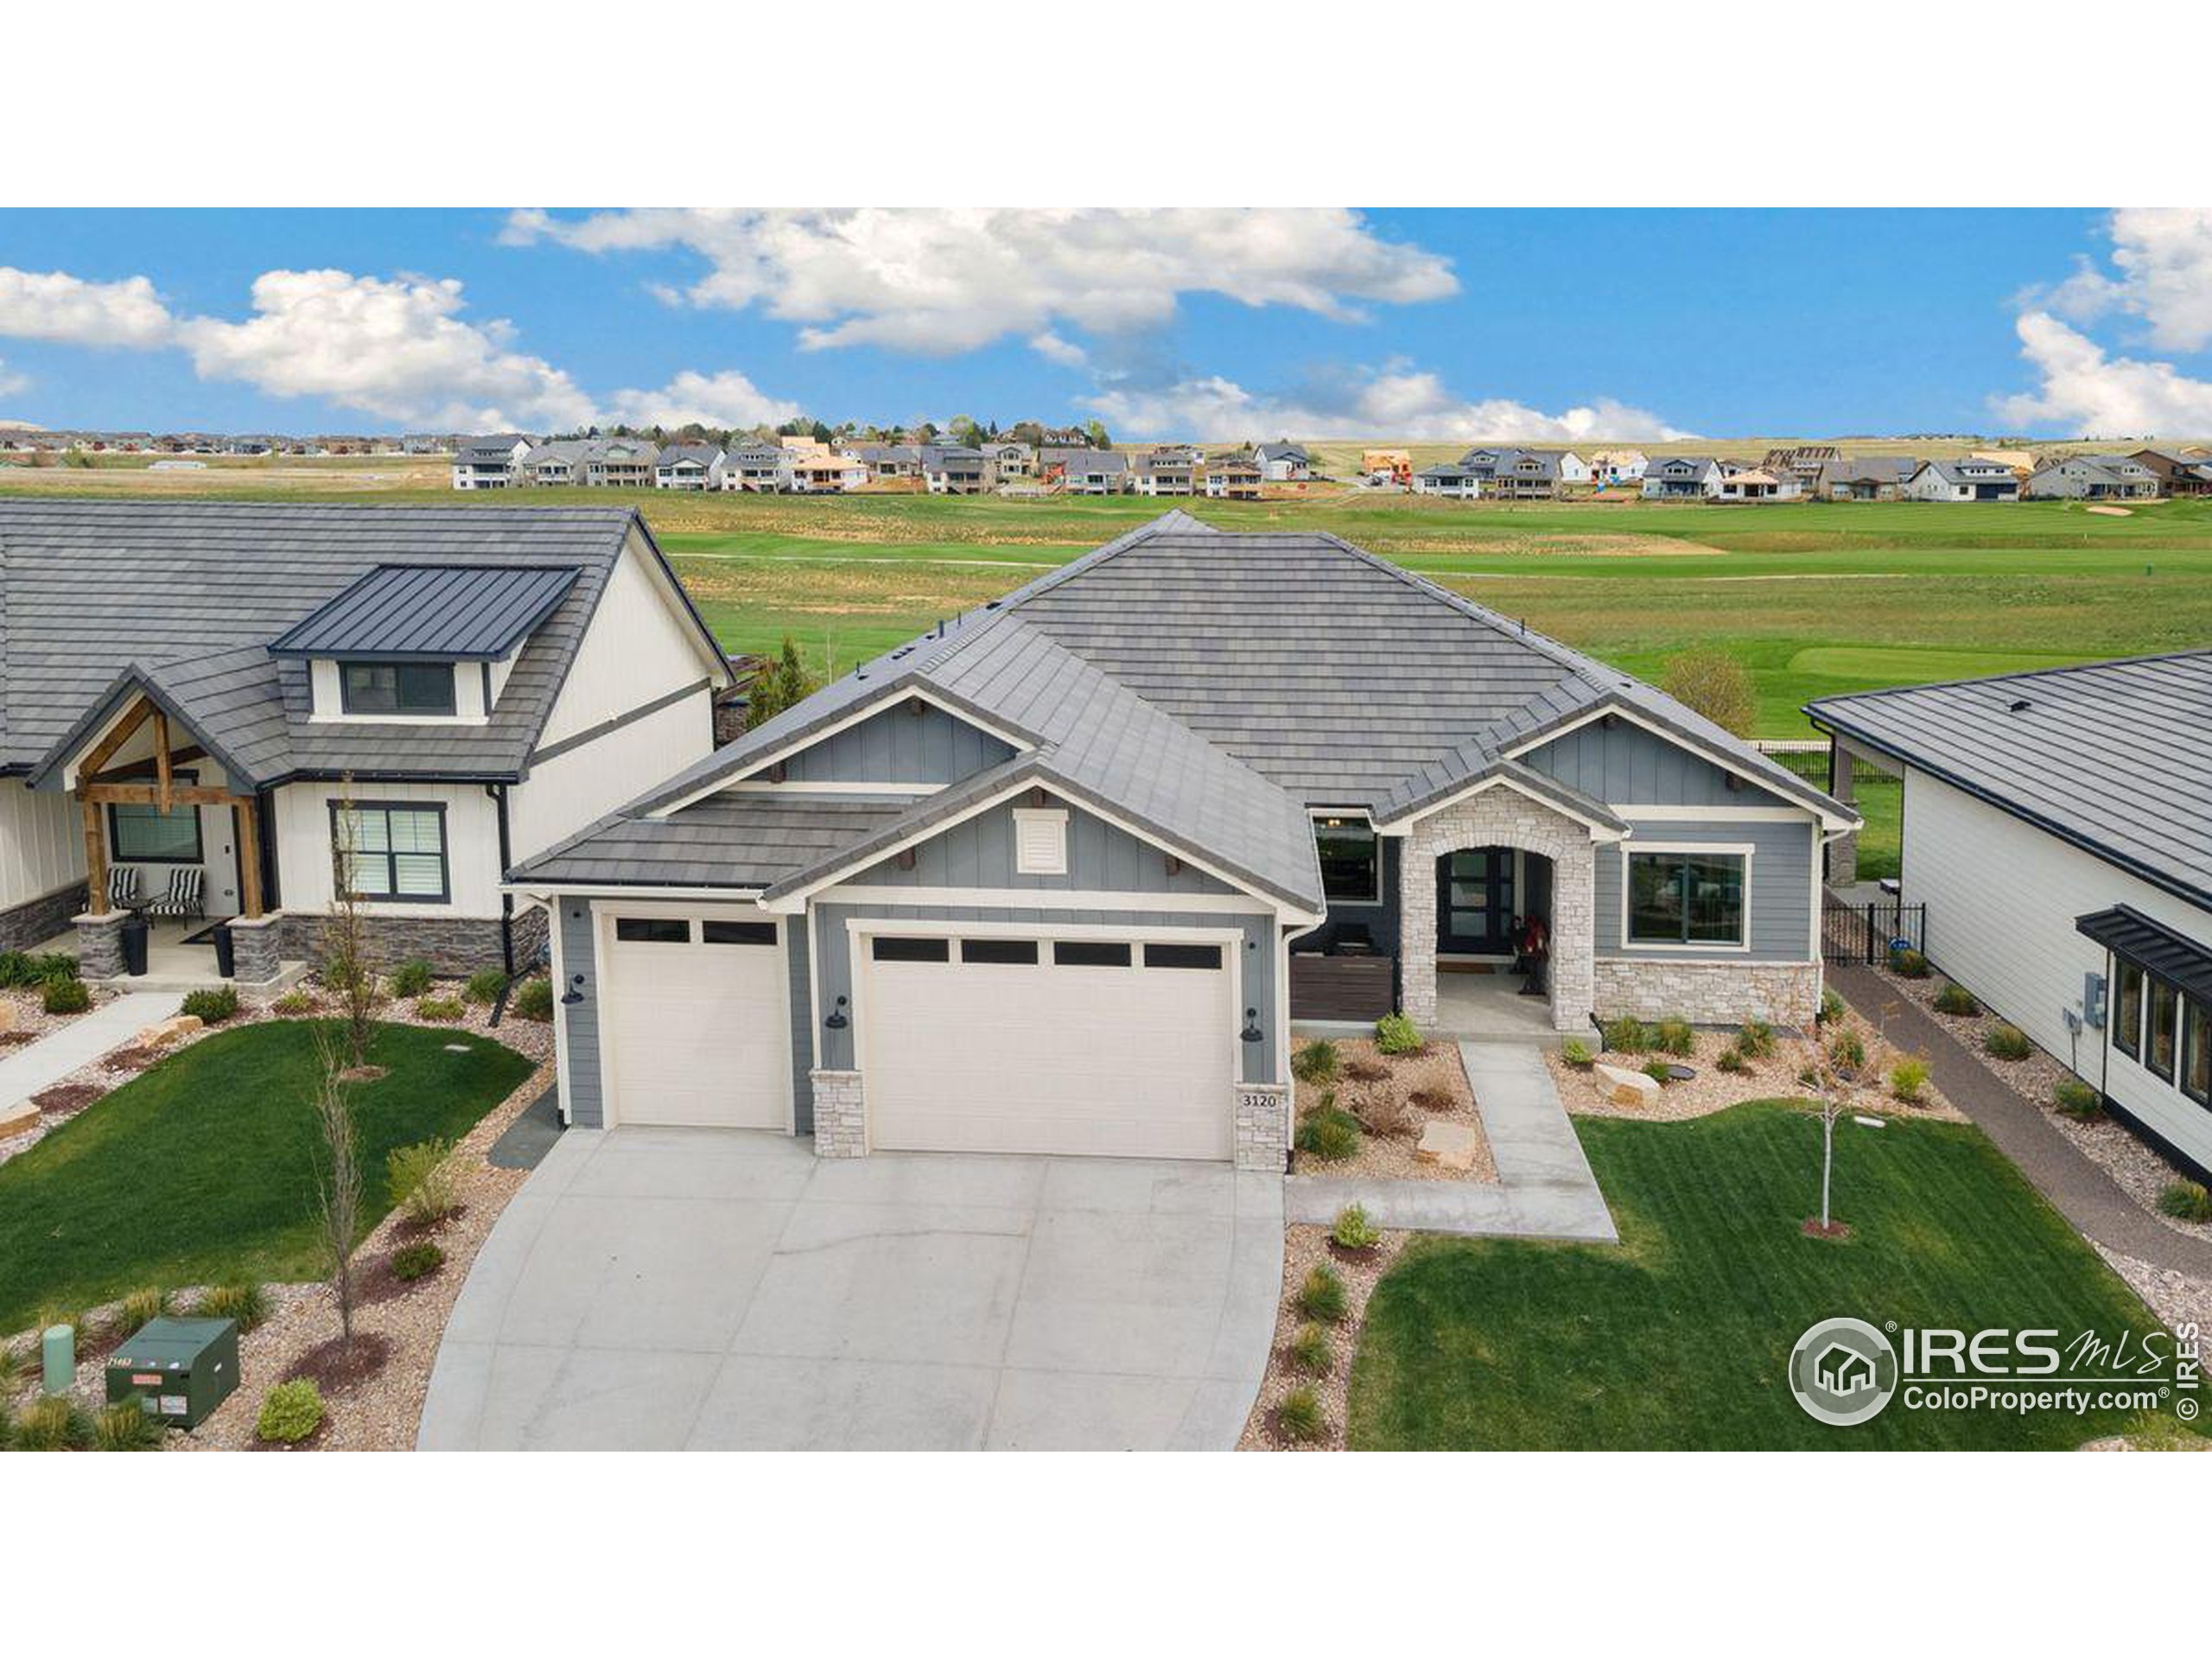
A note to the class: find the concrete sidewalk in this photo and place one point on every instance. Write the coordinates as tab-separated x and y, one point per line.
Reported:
2077	1188
38	1066
1544	1187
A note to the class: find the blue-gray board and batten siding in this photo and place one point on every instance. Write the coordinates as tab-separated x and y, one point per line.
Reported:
1624	765
913	742
580	1020
1779	885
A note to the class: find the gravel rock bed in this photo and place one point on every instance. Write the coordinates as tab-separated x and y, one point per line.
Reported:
1302	1247
1436	1071
2177	1298
2135	1167
1715	1091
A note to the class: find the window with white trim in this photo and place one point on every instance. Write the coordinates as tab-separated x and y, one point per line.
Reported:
1041	841
391	850
1686	898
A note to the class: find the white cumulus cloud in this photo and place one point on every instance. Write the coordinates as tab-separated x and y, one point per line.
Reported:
2163	256
942	281
1397	401
716	400
12	380
56	306
398	349
2083	389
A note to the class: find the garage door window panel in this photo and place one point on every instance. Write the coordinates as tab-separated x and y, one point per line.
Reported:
652	930
1182	955
892	947
713	932
1004	952
1089	953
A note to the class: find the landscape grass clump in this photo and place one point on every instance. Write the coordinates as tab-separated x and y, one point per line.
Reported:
1848	1049
1353	1230
1660	1072
2007	1042
439	1010
411	978
126	1425
213	1006
1321	1294
1396	1034
1315	1062
422	1182
484	986
2078	1099
1576	1053
66	996
144	1307
242	1299
1328	1132
1755	1038
54	1423
1908	1079
1908	964
1956	999
2186	1201
290	1412
534	1000
1730	1059
1832	1007
1675	1036
293	1004
417	1260
1626	1034
1300	1416
1311	1350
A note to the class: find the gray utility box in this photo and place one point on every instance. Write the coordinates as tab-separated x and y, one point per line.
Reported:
179	1369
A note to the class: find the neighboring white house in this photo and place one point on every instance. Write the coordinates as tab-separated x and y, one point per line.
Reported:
2093	478
2055	826
759	467
1618	466
1970	479
1283	463
821	472
688	467
1448	478
459	687
1164	472
1573	469
1233	478
1757	484
488	463
1684	478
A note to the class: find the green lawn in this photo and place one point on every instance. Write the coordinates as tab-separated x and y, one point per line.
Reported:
204	1167
1680	1337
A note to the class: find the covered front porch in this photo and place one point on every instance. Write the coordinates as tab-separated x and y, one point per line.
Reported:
172	844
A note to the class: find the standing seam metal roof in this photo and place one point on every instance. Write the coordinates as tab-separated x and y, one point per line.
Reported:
477	612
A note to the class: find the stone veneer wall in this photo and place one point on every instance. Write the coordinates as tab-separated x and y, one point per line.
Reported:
256	949
1501	817
454	945
1710	993
840	1120
1262	1127
99	944
36	920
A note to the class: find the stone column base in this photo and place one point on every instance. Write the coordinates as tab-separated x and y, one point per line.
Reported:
257	947
1263	1140
1710	993
99	944
839	1115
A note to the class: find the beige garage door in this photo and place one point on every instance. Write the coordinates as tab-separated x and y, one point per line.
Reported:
697	1030
1122	1047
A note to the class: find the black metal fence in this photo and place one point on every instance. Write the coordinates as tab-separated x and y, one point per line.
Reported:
1868	932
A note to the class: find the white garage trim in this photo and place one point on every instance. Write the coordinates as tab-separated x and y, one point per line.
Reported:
1225	904
862	931
604	919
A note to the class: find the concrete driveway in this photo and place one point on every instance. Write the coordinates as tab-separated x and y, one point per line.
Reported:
723	1289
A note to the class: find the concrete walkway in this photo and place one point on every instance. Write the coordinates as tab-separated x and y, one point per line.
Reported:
38	1066
2077	1188
726	1289
1544	1187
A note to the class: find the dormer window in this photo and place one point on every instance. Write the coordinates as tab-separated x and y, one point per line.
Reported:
396	688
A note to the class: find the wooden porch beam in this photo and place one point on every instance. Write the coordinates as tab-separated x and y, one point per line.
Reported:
151	795
248	813
162	773
118	736
132	771
95	859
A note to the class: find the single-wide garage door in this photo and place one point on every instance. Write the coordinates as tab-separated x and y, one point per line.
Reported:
1113	1047
697	1030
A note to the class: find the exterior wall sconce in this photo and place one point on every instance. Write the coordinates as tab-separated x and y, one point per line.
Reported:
574	993
1251	1032
836	1022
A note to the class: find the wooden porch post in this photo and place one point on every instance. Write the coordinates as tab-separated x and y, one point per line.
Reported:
95	859
248	837
161	757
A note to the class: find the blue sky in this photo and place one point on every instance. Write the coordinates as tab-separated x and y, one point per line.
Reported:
1208	323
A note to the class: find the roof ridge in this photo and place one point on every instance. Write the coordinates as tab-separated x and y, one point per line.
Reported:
2056	669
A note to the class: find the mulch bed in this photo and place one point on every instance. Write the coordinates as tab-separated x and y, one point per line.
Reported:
16	1039
67	1099
1835	1231
133	1060
334	1367
1366	1255
409	1228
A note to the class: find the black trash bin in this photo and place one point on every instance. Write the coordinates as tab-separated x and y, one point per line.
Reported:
226	962
134	930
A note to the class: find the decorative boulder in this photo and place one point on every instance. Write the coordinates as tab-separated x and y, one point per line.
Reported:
1627	1088
164	1033
1448	1145
15	1119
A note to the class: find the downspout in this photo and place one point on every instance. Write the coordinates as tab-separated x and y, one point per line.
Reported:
498	794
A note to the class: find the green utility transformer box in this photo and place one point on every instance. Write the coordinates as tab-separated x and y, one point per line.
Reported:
179	1369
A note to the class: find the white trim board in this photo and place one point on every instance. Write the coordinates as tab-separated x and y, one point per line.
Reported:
1193	903
1400	828
751	786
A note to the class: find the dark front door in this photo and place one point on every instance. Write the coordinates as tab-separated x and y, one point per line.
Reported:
1474	902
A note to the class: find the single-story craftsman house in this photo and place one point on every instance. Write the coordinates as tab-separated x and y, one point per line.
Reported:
2056	827
204	702
1055	877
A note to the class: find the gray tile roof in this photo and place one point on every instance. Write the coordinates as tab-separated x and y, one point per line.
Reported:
186	597
1209	687
2114	757
452	610
742	840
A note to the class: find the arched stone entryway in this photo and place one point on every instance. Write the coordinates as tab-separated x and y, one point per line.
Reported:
1501	817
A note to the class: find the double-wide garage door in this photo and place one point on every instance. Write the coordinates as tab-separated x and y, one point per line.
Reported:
697	1029
1121	1047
